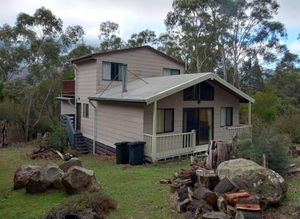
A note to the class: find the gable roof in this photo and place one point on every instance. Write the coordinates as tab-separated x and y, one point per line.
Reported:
156	88
94	55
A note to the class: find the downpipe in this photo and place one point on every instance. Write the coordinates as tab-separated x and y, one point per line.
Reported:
94	127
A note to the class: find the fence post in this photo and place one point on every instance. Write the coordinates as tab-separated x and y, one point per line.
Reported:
194	138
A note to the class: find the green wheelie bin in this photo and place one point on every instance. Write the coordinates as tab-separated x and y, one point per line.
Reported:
136	152
122	152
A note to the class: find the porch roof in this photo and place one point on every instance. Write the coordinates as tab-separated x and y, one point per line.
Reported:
152	89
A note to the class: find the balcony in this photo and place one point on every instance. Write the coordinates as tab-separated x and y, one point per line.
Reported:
68	88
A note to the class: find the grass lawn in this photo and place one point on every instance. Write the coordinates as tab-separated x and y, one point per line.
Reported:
136	189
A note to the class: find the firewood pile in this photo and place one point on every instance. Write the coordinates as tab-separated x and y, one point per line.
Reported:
199	193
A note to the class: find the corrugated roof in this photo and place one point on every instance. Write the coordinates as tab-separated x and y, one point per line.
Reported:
156	88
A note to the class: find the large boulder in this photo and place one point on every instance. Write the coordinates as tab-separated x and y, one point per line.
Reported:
23	174
47	176
79	179
247	175
70	163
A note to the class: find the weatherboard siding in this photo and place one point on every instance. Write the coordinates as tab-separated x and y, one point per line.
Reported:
119	122
221	99
67	108
142	62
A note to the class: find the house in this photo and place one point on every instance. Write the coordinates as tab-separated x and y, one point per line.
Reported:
142	94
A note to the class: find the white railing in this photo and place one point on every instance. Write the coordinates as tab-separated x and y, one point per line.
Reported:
170	145
238	131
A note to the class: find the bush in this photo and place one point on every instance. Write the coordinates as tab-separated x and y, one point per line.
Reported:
58	139
289	125
265	141
97	202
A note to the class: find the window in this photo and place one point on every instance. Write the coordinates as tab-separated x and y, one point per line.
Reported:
165	120
226	116
113	71
169	71
202	91
85	110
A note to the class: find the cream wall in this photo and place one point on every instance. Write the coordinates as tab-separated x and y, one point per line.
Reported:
221	99
66	108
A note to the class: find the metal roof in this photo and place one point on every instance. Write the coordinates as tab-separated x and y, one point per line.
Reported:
156	88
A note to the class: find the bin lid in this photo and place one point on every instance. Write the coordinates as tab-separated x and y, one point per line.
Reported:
137	143
121	143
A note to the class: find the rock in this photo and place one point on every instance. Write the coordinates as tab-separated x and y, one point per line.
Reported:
247	175
23	174
79	179
70	163
47	176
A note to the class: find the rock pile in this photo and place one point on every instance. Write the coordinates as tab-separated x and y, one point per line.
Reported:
69	176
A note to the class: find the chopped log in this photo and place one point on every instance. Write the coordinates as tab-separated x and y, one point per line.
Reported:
207	195
221	203
199	207
182	194
174	187
231	210
181	206
215	215
231	197
224	186
207	178
250	204
248	215
165	181
218	151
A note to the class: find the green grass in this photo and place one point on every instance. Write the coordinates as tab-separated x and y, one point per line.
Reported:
136	189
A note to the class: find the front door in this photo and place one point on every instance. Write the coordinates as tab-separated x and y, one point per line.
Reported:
78	116
201	120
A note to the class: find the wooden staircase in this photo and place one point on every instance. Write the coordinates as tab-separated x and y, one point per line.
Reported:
76	138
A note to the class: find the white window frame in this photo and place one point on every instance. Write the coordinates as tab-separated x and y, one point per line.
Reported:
107	74
168	71
223	118
85	110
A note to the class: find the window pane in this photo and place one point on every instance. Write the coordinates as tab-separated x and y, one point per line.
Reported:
223	116
166	72
229	116
175	72
106	71
206	91
122	70
115	71
189	93
160	121
169	116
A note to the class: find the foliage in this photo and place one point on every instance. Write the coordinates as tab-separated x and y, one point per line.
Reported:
289	125
265	141
101	204
58	139
109	36
266	105
145	37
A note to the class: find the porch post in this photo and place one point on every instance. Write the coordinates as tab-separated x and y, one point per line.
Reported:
154	131
249	113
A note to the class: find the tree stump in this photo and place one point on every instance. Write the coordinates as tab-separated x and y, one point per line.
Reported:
207	178
218	151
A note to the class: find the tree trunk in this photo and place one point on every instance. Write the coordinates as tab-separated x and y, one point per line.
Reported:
27	122
224	64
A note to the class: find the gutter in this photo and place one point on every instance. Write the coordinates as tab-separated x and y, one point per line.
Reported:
94	127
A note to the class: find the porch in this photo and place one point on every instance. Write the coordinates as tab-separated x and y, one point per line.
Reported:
164	146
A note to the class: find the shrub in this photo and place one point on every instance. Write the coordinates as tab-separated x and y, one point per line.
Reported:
265	141
58	139
289	125
97	202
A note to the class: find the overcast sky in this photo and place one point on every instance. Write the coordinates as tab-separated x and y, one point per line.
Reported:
132	15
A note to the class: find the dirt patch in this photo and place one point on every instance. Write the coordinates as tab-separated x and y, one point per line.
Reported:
289	210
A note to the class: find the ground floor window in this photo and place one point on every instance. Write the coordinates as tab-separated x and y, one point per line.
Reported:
165	120
226	116
85	110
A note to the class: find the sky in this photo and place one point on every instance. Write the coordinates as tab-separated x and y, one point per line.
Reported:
132	15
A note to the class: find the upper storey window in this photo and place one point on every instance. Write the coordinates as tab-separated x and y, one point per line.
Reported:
202	91
112	71
169	71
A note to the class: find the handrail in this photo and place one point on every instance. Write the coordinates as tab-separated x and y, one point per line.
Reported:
70	129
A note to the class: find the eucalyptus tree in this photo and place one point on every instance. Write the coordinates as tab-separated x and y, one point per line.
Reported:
109	36
145	37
